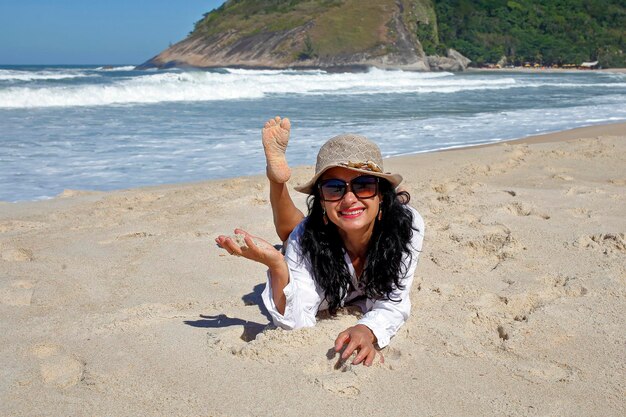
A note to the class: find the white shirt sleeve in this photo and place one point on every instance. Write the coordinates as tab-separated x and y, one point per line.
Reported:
385	317
303	296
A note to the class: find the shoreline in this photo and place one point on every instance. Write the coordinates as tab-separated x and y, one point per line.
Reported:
360	68
547	70
610	129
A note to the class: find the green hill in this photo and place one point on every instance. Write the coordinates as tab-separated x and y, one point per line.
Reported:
548	32
412	34
310	33
337	27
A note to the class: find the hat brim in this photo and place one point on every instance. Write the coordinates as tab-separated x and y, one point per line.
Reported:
307	188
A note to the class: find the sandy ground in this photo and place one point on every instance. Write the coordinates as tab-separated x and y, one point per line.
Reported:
120	304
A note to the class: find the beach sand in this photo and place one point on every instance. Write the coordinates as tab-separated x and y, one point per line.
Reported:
120	303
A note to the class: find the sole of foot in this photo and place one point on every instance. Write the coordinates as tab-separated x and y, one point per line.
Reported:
275	136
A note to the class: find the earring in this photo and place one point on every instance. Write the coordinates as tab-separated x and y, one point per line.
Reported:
324	216
380	213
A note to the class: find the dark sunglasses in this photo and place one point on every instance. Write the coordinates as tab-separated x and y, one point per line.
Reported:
333	189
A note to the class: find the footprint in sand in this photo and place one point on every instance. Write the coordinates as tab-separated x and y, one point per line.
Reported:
563	177
344	379
607	243
496	242
504	312
538	371
583	191
127	236
516	157
522	210
580	212
16	255
336	375
58	368
17	293
344	384
19	225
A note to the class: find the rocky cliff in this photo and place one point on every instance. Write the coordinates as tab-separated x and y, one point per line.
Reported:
330	34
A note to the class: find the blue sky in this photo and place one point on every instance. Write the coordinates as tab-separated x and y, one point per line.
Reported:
94	31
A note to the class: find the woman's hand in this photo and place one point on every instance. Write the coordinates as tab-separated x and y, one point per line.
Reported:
255	249
260	251
361	339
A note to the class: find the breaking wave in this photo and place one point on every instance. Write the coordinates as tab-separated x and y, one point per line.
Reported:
18	75
123	86
234	85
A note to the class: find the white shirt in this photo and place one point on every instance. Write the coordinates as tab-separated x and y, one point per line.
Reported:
305	298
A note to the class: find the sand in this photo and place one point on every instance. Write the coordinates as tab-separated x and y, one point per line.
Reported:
120	304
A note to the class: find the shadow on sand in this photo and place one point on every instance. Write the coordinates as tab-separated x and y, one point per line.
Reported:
250	329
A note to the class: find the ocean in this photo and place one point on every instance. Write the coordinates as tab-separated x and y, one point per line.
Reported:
106	128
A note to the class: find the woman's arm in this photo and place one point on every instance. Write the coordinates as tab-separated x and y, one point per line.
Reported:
279	278
291	296
385	317
261	251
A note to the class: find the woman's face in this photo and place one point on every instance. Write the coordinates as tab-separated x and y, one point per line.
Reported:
351	214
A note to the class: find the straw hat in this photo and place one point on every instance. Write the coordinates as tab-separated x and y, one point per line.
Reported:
351	151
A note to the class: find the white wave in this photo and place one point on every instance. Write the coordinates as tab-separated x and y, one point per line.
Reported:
247	84
122	68
242	71
167	87
573	85
17	75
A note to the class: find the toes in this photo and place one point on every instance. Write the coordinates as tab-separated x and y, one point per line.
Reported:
277	119
286	124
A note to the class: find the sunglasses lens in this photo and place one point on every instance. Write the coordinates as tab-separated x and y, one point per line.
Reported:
365	186
333	190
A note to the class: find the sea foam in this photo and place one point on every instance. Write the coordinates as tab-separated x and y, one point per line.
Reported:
17	75
236	85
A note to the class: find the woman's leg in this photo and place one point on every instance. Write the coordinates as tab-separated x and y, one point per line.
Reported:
275	139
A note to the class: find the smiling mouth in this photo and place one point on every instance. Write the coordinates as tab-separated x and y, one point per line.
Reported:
351	213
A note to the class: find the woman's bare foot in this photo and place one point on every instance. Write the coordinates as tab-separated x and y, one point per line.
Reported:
275	138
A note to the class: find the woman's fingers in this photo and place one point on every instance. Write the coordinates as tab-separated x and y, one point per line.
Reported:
357	338
347	352
232	247
242	232
364	352
228	245
244	244
220	241
341	340
251	246
370	358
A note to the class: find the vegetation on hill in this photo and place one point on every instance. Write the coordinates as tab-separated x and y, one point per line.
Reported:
365	20
548	32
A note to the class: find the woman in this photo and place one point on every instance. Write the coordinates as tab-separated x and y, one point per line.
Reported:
358	245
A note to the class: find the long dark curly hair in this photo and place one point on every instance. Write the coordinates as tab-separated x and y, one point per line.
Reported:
391	239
